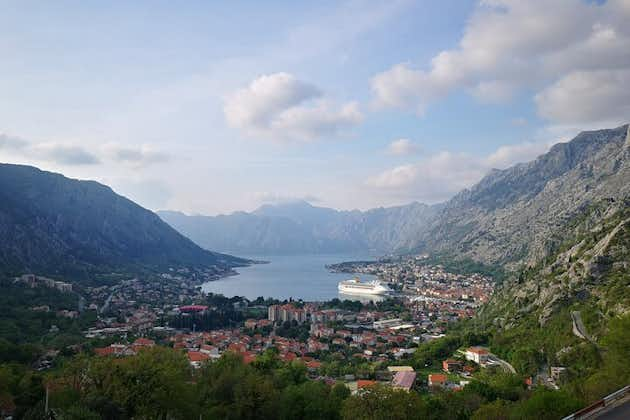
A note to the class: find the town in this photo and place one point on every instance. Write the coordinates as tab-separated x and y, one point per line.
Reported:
358	343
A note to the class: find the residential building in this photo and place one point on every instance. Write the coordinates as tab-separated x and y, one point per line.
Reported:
437	380
404	380
451	365
478	355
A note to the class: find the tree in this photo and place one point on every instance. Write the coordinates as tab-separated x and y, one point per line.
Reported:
545	404
384	403
311	400
152	384
496	410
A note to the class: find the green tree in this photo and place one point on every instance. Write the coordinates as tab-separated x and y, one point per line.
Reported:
310	400
496	410
545	404
384	403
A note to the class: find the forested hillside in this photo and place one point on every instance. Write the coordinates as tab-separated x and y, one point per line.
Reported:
51	224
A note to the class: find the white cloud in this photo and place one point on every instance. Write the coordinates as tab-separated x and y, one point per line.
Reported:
400	176
587	97
402	147
510	45
404	87
493	92
440	176
282	107
506	156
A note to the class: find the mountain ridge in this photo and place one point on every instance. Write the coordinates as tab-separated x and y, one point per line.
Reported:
511	216
56	225
299	227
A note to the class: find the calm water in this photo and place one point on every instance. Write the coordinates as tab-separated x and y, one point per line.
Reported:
298	277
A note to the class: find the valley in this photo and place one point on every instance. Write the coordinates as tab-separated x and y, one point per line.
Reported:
511	296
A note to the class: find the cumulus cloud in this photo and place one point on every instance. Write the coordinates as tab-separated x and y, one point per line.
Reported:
559	48
439	176
587	97
282	107
400	176
402	147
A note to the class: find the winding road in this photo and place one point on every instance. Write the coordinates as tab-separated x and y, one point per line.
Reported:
578	327
505	365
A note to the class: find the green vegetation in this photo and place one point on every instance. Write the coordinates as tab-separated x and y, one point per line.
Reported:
466	266
159	383
27	316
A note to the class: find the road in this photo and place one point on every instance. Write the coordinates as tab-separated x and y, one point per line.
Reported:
506	366
578	326
618	412
105	306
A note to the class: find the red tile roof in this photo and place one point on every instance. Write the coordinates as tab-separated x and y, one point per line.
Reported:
437	378
364	383
196	356
104	351
144	342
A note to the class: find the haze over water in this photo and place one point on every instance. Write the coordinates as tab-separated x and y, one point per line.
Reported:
295	276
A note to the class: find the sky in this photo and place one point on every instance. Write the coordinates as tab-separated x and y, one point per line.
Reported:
214	107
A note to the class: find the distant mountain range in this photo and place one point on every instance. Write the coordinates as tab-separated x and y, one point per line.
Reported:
513	216
301	228
52	224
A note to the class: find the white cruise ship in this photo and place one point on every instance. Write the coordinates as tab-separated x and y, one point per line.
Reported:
356	287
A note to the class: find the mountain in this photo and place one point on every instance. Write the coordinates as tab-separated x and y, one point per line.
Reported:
52	224
518	215
299	227
511	217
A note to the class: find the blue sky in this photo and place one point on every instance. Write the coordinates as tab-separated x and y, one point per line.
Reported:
212	107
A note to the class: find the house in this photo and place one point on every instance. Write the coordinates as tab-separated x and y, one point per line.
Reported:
104	351
249	357
478	355
365	384
196	358
559	374
437	380
142	343
211	351
404	380
451	365
313	365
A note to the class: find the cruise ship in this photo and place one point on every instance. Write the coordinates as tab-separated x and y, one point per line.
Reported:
356	287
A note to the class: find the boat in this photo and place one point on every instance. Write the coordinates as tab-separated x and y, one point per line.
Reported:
357	287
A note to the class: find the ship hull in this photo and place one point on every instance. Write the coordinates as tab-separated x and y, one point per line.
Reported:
362	291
